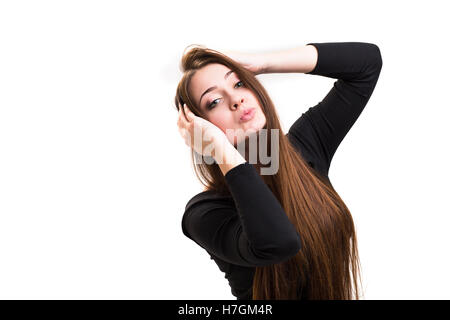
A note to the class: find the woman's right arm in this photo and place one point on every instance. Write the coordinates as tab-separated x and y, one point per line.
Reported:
256	232
231	158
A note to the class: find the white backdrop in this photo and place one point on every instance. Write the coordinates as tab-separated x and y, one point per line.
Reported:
94	176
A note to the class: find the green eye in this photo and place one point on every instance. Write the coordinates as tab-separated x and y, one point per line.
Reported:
212	105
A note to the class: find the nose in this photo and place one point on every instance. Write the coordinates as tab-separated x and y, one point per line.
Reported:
236	104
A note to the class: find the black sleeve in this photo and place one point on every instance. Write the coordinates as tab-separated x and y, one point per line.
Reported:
257	232
357	66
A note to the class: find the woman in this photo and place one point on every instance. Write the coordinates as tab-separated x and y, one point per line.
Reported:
286	235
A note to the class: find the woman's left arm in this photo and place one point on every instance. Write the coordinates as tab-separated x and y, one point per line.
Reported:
357	66
302	59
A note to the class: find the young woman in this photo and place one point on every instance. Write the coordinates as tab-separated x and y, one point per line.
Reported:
286	235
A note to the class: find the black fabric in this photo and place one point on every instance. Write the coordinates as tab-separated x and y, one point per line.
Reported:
250	228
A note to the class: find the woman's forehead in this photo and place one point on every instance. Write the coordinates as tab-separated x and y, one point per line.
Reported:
210	75
213	71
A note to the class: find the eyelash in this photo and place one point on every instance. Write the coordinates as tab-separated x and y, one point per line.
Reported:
210	105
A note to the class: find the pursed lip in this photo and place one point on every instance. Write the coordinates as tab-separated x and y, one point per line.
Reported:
246	112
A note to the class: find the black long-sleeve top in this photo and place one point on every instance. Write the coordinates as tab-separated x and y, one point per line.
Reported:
250	228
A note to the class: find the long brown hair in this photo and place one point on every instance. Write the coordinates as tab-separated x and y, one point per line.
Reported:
327	266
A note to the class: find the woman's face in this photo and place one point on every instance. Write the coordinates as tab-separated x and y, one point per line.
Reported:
226	102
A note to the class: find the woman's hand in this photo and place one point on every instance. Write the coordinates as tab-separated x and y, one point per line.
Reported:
253	62
200	134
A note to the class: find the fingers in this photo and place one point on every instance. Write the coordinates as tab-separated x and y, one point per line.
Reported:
181	118
188	113
184	120
188	116
186	123
179	123
182	127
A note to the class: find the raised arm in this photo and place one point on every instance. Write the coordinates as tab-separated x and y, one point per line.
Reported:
357	66
301	59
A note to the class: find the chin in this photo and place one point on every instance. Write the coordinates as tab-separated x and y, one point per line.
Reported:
249	132
254	127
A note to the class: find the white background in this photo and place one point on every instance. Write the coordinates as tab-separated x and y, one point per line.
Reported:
94	176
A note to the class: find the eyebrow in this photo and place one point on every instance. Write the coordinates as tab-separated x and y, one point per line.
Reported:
214	87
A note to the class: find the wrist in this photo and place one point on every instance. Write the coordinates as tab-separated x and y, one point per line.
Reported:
301	59
227	157
265	63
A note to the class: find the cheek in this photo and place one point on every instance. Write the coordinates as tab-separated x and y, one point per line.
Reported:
260	120
222	120
263	119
